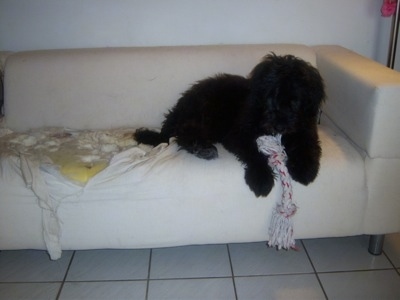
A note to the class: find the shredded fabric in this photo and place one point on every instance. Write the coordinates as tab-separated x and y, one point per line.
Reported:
281	227
79	154
76	155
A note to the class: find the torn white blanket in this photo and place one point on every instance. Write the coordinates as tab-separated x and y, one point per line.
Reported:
51	187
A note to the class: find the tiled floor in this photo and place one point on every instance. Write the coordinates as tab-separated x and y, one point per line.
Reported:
335	268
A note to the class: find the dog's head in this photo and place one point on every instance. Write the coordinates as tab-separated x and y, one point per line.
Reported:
287	92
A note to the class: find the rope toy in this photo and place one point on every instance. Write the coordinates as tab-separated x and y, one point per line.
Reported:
281	227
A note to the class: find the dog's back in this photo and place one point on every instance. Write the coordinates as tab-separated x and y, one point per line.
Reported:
204	114
209	109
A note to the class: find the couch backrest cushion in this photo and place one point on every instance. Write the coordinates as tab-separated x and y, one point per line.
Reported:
117	87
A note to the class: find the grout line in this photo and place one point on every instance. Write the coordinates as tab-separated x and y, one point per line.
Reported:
355	271
148	275
104	280
25	282
233	275
65	276
275	275
190	278
315	271
391	262
179	278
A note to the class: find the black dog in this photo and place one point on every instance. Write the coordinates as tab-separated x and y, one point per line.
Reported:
282	95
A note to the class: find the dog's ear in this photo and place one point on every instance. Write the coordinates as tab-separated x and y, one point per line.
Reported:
315	89
266	71
264	79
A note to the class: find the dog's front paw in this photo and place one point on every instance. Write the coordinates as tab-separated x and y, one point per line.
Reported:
260	180
303	171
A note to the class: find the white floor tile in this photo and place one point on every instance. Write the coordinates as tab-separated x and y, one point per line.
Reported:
283	287
96	265
391	247
42	291
362	285
191	289
258	259
343	254
190	262
32	266
345	268
104	290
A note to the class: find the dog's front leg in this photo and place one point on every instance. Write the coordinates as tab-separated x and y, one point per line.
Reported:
304	152
259	177
258	174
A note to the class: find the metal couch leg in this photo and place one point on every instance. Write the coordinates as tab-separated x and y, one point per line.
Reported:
376	244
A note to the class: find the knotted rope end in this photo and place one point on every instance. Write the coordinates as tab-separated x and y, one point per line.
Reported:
281	227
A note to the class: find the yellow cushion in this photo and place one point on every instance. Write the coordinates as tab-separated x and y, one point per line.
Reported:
80	171
73	167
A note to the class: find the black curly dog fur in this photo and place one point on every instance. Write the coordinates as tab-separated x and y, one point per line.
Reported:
282	95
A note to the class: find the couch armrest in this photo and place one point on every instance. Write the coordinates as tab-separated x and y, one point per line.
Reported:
363	99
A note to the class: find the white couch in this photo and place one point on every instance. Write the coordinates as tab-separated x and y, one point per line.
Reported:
171	198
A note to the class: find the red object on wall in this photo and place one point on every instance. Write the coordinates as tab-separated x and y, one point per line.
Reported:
388	8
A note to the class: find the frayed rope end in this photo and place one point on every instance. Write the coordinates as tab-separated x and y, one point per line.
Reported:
281	232
281	227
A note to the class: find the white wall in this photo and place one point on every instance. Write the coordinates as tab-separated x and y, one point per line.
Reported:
50	24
